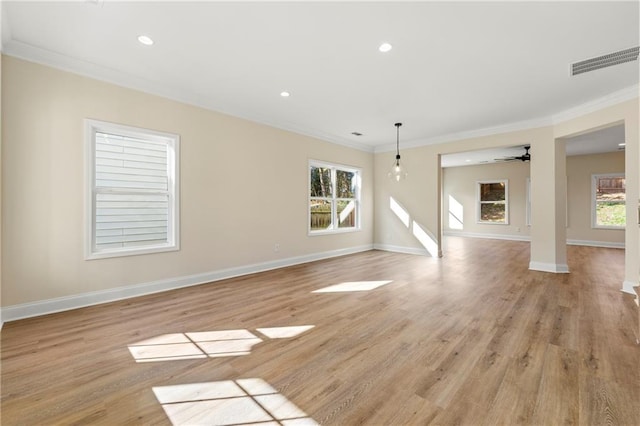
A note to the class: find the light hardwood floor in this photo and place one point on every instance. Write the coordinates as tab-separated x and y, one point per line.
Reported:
473	338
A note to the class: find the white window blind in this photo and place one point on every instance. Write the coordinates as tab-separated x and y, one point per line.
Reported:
133	191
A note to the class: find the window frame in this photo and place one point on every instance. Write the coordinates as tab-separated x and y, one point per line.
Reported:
334	167
479	202
528	201
172	141
594	202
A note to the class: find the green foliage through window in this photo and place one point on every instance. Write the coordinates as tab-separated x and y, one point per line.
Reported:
610	200
492	202
333	197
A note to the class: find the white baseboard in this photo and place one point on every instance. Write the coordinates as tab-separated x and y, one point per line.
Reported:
558	268
33	309
628	287
603	244
401	249
487	236
571	242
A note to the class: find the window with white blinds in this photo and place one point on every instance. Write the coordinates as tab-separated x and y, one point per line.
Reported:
132	176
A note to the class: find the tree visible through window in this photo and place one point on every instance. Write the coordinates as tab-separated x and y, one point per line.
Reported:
609	199
493	204
333	197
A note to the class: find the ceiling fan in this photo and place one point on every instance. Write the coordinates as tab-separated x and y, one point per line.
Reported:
524	157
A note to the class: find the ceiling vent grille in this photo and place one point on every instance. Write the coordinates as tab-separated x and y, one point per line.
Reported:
615	58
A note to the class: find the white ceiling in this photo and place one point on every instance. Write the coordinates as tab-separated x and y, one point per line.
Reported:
454	68
596	142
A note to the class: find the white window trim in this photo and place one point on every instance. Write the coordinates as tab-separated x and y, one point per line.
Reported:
506	202
594	216
173	231
333	167
528	201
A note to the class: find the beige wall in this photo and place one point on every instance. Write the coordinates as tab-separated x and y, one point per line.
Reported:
627	113
420	195
548	205
460	183
579	171
1	180
42	198
230	169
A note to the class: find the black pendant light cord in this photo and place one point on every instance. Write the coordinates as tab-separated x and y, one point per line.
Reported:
398	140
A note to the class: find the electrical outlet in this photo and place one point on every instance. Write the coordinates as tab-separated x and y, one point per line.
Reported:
276	247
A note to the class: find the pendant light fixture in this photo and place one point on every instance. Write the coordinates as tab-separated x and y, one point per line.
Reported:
397	172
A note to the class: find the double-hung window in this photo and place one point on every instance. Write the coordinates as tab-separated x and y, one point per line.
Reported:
334	198
608	195
493	202
132	191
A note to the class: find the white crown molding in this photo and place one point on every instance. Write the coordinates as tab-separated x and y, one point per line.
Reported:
317	134
468	134
5	29
97	72
60	304
45	57
611	99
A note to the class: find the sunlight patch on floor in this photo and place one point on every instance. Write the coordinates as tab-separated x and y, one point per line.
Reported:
352	286
167	347
180	346
284	332
229	402
211	344
226	342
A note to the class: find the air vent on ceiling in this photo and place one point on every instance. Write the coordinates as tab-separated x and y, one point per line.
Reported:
615	58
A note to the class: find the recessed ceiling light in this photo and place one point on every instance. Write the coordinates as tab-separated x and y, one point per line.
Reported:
146	40
385	47
285	94
622	144
467	161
